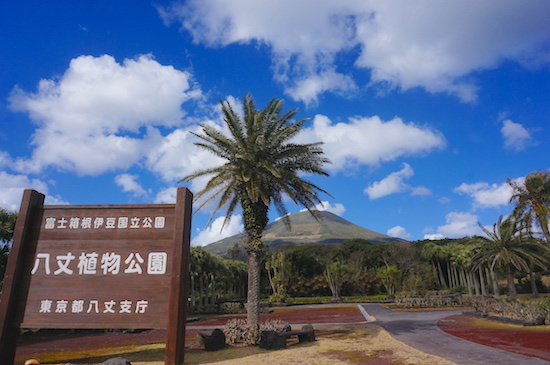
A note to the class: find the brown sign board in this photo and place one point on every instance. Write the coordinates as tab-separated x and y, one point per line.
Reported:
103	266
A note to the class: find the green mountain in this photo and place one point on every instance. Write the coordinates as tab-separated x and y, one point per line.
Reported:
329	228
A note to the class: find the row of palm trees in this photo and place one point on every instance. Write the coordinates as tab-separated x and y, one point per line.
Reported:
213	280
510	249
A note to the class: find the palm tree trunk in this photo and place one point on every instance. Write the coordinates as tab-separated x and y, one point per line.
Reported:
213	292
468	281
253	300
462	277
192	294
482	282
475	282
511	285
201	291
441	276
533	278
254	219
456	283
543	222
457	276
496	293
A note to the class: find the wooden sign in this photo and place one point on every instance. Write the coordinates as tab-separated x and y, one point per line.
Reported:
114	266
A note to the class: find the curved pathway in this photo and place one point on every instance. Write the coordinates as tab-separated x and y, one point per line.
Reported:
420	330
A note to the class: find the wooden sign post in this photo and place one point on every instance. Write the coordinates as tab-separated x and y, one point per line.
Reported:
103	266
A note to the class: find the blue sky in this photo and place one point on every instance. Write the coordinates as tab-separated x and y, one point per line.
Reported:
425	108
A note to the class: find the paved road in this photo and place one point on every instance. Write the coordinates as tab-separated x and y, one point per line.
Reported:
420	330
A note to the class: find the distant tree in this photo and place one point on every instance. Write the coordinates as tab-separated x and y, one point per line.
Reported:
372	256
7	225
354	245
509	248
236	252
532	198
435	254
262	164
390	276
306	260
234	281
403	255
334	274
461	252
278	271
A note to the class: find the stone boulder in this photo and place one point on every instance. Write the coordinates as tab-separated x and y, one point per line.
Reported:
216	341
270	340
309	336
116	361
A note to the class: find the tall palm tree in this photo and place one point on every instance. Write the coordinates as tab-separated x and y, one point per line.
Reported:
533	199
434	254
262	165
509	248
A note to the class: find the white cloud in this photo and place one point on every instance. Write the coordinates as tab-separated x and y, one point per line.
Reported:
55	200
176	157
370	141
444	200
394	183
485	195
515	136
420	191
12	187
433	236
215	233
459	224
404	44
5	159
166	196
308	88
337	208
101	115
399	232
129	184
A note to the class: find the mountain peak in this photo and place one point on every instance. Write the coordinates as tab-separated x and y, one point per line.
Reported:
325	227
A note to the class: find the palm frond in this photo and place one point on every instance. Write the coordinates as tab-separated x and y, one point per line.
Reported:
262	162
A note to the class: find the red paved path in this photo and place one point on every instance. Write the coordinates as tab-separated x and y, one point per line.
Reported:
529	341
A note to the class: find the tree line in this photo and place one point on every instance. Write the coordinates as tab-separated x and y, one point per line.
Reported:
514	251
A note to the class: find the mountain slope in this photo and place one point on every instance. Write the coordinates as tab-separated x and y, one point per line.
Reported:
330	228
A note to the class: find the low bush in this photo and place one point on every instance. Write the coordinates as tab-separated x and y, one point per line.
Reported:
538	313
237	331
430	302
